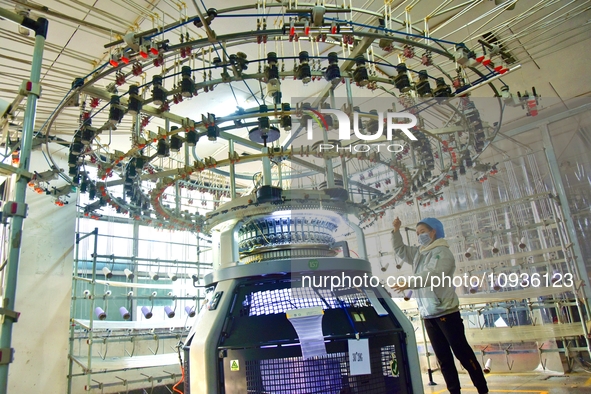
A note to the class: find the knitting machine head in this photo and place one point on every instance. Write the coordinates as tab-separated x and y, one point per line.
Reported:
269	326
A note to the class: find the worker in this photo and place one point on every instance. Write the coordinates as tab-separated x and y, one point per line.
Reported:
438	305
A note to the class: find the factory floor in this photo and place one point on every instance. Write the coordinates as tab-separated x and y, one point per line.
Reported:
520	383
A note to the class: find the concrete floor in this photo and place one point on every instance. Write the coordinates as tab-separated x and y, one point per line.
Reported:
521	383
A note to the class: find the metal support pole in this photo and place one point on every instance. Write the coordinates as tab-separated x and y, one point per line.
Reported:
349	93
267	177
579	265
294	134
232	170
92	304
395	174
345	175
137	128
14	248
328	161
177	198
564	242
187	155
74	303
236	242
135	252
441	161
360	241
280	175
197	309
343	161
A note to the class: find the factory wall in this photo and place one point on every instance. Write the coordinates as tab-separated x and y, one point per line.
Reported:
40	337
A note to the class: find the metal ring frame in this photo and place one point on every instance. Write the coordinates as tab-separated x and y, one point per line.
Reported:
408	175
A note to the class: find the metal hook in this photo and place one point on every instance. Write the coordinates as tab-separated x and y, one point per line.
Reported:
531	314
175	303
99	384
481	326
106	343
112	257
150	380
509	365
545	360
172	375
483	353
152	300
125	384
132	340
569	360
106	349
157	345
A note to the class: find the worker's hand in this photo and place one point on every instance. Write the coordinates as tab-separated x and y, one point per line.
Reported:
400	289
396	224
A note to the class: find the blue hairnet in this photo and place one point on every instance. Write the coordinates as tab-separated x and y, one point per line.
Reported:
436	225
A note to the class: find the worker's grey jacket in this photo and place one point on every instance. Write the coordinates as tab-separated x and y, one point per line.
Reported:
433	260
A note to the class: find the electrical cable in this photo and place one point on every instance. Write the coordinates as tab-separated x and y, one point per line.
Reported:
182	370
233	93
320	118
254	181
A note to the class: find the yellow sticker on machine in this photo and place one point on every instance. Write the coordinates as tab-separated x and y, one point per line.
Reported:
234	366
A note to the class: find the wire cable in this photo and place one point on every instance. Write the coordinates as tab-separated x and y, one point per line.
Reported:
174	388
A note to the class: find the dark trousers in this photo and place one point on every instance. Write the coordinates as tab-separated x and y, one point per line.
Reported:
446	333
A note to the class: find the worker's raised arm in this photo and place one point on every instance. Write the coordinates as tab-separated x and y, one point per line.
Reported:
404	252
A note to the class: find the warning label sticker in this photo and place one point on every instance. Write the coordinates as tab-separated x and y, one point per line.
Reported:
234	365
